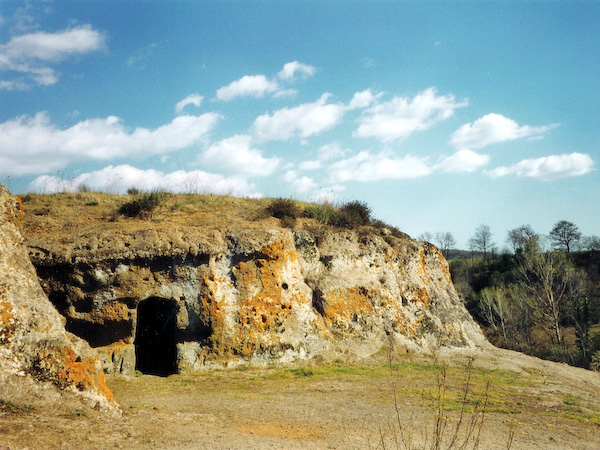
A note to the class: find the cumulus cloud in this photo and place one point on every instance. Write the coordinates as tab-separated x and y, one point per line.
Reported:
289	71
463	161
33	145
331	151
367	166
236	155
192	99
31	54
300	183
548	167
118	179
259	85
363	99
491	129
305	120
249	85
402	116
310	165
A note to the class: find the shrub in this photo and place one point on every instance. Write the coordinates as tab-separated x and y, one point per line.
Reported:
324	214
283	207
359	211
595	363
352	215
346	219
303	372
144	205
560	353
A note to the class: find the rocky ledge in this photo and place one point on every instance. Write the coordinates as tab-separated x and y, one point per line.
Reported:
161	297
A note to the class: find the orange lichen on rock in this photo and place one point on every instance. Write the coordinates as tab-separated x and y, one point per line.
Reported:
20	211
346	303
276	250
444	266
267	309
111	311
423	296
65	369
423	267
7	321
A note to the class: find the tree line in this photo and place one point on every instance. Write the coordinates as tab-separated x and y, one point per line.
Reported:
540	296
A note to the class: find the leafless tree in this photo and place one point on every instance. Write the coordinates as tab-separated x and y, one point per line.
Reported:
426	237
518	237
565	235
482	240
507	310
445	242
591	243
549	279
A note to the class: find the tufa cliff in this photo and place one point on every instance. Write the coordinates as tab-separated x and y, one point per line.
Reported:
186	292
38	359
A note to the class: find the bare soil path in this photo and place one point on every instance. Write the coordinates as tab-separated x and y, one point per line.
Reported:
330	406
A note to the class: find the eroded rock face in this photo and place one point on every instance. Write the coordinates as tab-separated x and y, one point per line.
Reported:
163	300
37	357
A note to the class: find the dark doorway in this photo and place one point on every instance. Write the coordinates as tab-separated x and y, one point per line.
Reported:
155	337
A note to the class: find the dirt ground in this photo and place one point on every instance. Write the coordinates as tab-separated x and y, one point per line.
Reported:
333	405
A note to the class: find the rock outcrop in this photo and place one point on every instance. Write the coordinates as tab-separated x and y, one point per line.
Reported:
38	358
161	298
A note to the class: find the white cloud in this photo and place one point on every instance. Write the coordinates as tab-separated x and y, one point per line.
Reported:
288	73
300	184
548	167
309	165
249	85
402	116
31	54
331	151
491	129
367	166
285	93
33	145
236	155
14	85
259	85
192	99
363	99
463	161
305	120
118	179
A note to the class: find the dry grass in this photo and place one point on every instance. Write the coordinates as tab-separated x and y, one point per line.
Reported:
67	216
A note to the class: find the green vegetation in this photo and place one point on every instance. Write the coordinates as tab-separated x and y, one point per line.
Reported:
9	407
145	205
541	301
349	215
303	372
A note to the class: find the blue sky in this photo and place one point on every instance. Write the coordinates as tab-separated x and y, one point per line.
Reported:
440	115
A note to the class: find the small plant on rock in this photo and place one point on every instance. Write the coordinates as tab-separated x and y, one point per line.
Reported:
145	205
324	214
285	209
353	215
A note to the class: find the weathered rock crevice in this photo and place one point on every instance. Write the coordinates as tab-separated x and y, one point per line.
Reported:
251	295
